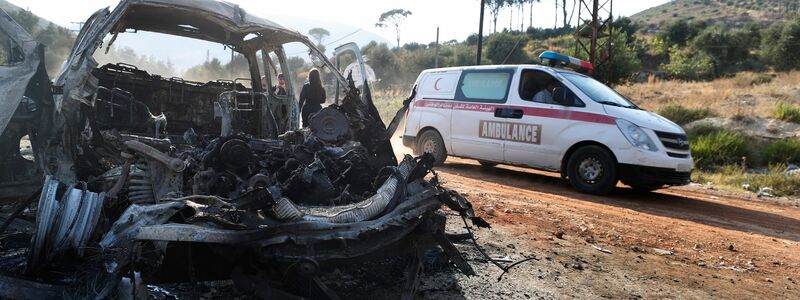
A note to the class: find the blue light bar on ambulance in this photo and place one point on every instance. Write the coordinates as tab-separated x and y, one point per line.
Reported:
555	59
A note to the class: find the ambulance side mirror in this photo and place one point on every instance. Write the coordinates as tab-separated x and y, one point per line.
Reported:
560	97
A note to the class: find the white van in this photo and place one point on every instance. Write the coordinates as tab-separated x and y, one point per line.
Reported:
585	130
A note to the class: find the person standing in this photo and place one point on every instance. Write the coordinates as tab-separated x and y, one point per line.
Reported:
311	97
280	88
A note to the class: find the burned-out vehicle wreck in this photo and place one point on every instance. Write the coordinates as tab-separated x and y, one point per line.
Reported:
142	179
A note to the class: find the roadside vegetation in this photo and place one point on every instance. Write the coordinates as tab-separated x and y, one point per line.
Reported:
737	161
716	147
682	115
772	180
787	112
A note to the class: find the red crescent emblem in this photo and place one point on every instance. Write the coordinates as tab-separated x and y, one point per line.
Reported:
436	84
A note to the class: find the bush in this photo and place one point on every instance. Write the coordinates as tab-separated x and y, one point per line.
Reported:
734	177
507	48
624	65
680	32
718	148
700	130
787	112
729	49
689	64
682	115
782	151
779	45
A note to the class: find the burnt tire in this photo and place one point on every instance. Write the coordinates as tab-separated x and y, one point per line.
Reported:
487	164
431	142
592	170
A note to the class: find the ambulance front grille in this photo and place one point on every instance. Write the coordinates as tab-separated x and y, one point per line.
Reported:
673	140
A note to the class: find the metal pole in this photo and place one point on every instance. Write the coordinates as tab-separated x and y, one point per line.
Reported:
480	34
436	57
593	53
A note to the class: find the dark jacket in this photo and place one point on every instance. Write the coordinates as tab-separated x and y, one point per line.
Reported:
311	99
311	96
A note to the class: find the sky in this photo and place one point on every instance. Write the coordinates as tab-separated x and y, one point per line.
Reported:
347	20
456	18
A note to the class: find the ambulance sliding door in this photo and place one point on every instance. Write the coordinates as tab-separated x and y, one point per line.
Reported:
478	113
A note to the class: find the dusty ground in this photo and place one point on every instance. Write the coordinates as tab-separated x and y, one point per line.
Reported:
711	245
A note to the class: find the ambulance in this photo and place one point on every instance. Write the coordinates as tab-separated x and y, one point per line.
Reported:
551	117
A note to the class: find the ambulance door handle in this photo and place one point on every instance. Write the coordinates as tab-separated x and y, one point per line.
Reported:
508	113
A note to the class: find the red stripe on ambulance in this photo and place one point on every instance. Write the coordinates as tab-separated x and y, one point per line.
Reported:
528	111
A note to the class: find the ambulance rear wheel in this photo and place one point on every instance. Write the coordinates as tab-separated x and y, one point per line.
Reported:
431	142
592	170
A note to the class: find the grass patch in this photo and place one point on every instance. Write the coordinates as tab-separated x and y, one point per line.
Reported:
701	130
782	152
717	147
387	104
787	112
733	177
682	115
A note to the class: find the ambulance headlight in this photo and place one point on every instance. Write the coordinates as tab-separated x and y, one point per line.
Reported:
636	135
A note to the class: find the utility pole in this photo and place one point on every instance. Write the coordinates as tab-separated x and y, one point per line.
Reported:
594	34
480	34
436	52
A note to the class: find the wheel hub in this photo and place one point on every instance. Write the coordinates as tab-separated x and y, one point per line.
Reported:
429	146
590	169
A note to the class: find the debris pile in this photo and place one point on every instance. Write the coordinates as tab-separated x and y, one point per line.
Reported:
144	179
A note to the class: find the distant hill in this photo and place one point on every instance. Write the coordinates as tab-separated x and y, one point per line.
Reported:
11	9
726	13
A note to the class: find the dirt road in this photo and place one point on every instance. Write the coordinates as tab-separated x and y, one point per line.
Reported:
673	243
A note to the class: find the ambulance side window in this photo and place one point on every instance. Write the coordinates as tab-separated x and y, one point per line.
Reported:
533	86
489	86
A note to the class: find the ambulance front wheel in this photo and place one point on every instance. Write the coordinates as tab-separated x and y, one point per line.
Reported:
431	142
592	170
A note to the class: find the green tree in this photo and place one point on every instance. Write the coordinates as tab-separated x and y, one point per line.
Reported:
494	9
627	27
780	43
507	48
210	70
728	49
58	43
681	31
625	63
319	34
688	64
26	19
393	18
383	62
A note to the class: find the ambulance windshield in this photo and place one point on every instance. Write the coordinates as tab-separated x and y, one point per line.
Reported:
597	91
